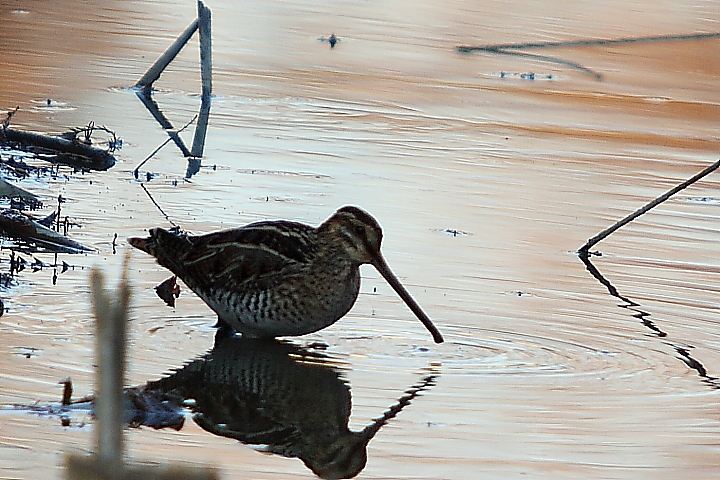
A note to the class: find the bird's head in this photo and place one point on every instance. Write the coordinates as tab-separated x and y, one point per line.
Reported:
358	233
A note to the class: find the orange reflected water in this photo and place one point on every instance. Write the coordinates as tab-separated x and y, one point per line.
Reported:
542	374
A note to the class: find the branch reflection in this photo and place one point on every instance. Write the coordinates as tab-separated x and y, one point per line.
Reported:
683	351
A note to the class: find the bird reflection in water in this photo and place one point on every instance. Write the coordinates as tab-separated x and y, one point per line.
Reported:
288	398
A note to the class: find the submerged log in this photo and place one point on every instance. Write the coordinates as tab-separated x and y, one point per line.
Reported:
7	189
16	224
69	151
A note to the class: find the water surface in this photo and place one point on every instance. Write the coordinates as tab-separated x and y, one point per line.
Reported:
544	374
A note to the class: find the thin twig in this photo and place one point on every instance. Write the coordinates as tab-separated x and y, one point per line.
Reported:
137	169
158	206
550	59
583	251
6	122
580	43
504	48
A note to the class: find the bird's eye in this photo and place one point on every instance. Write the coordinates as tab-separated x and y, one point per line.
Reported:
360	230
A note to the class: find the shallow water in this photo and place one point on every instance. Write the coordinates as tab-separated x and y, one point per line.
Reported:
543	373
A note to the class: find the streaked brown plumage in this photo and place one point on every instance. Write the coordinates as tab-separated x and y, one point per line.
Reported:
277	278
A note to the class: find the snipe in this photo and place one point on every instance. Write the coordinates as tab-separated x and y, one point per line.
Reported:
277	278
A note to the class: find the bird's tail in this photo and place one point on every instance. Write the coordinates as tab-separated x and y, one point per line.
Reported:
167	246
149	244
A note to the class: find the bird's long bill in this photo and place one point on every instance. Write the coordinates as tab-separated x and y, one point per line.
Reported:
385	271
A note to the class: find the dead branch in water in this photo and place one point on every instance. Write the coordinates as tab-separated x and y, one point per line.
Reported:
69	152
584	250
67	148
597	41
16	224
202	24
206	76
154	72
510	48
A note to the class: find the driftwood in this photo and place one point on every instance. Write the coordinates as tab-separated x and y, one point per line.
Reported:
9	190
16	224
68	151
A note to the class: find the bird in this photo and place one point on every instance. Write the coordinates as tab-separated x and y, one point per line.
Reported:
279	278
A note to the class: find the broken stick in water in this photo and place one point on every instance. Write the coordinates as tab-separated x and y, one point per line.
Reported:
154	72
108	462
206	74
584	250
202	24
111	317
512	48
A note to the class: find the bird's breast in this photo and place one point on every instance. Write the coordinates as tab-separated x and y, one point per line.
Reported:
293	305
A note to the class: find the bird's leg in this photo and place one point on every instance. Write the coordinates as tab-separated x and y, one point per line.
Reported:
224	330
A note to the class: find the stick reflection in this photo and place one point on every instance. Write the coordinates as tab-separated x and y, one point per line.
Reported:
683	351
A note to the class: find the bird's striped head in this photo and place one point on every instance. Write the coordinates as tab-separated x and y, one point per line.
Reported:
359	233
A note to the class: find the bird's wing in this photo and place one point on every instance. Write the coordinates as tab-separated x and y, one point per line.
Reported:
257	253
